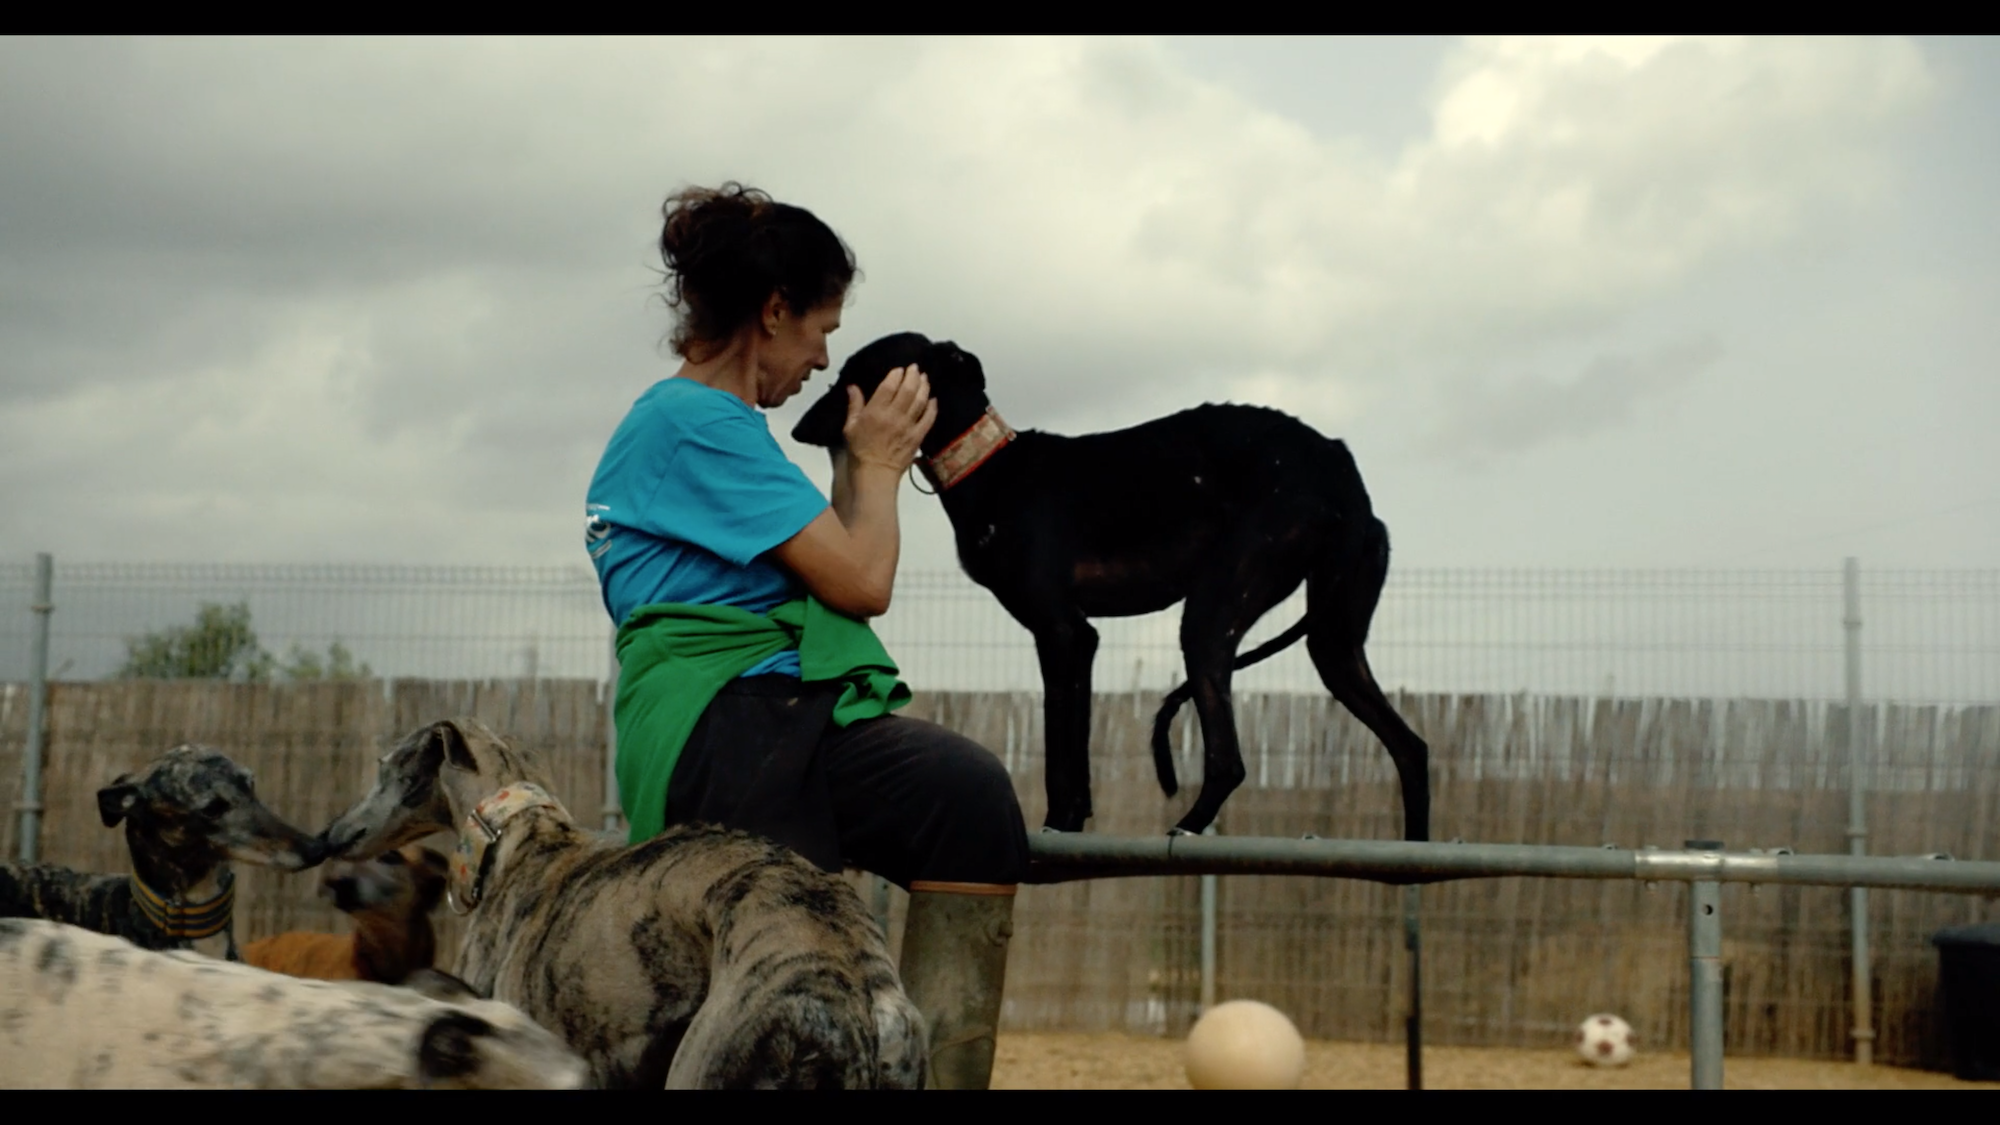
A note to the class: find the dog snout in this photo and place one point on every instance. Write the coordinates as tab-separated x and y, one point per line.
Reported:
268	841
313	850
345	893
296	851
334	845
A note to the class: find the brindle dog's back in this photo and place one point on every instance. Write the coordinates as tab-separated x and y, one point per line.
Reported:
596	940
699	957
101	903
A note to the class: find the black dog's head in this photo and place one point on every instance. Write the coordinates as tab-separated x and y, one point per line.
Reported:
192	808
958	384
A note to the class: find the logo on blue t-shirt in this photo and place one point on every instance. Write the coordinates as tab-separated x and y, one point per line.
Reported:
596	530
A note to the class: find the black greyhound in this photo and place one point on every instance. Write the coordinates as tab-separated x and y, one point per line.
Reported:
1228	507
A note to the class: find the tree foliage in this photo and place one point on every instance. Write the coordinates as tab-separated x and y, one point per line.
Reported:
222	645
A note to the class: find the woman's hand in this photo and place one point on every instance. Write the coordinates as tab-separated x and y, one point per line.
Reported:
888	430
847	556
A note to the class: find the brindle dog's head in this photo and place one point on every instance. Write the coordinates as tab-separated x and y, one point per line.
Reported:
427	784
192	809
405	882
958	383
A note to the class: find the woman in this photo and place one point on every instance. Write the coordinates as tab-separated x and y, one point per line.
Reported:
751	691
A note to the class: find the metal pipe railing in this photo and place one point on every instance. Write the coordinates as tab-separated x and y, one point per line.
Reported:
1066	857
1704	865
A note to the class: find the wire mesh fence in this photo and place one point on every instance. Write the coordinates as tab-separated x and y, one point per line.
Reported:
1513	962
1927	636
428	622
1574	707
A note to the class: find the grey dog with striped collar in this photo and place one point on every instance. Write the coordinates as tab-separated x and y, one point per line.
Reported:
187	815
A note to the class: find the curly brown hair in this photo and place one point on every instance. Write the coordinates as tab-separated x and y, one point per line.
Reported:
728	249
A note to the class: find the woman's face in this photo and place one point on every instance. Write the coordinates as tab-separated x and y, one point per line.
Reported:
797	350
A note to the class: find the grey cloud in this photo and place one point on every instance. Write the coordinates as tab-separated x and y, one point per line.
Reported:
428	263
1486	420
174	205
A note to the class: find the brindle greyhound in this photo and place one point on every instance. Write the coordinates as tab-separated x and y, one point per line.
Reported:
699	959
1228	507
186	816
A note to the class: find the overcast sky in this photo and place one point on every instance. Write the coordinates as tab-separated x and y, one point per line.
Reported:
1572	303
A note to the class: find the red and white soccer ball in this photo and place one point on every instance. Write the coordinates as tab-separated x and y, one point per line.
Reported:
1605	1040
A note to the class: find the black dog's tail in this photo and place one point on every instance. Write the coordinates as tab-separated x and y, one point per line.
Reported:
1163	755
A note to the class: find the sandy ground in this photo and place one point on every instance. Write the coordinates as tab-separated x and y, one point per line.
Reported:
1064	1061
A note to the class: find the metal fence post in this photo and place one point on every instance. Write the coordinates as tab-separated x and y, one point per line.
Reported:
1705	976
1414	1029
30	805
1857	823
1208	889
613	810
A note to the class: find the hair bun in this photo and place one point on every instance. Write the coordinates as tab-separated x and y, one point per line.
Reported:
728	248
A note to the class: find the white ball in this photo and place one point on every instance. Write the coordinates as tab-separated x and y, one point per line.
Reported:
1245	1045
1605	1040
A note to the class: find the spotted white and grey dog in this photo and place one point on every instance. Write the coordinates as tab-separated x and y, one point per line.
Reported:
187	815
82	1010
701	958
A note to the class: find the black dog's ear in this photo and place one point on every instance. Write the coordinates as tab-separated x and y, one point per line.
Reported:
117	799
963	365
825	421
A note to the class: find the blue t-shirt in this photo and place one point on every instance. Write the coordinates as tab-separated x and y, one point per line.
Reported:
691	491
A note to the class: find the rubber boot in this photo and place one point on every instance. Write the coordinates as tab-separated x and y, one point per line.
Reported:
954	965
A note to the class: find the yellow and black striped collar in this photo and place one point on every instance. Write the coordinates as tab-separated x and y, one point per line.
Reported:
188	921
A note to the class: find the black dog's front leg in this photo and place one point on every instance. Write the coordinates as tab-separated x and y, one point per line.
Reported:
1067	649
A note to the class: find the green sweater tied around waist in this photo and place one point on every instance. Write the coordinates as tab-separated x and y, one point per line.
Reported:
674	658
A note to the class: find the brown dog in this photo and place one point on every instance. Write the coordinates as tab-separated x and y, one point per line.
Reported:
390	899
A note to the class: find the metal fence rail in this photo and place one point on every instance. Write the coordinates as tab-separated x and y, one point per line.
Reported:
1932	636
1065	857
1704	866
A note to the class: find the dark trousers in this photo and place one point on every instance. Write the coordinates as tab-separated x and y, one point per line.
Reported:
903	798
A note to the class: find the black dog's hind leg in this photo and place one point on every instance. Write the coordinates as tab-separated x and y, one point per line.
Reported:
1163	751
1341	596
1261	565
1067	646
